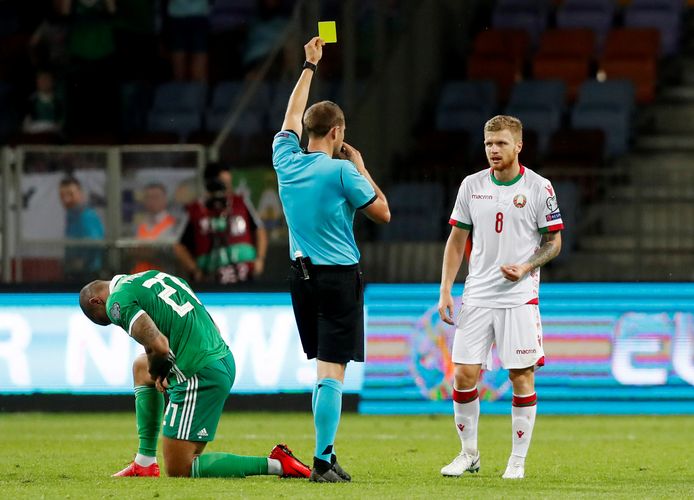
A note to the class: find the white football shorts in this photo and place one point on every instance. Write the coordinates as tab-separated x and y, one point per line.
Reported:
517	332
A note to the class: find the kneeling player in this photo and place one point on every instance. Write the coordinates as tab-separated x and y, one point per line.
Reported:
185	356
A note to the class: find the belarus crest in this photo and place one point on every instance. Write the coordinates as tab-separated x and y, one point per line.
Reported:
519	200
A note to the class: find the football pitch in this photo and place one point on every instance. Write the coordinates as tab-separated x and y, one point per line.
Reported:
73	455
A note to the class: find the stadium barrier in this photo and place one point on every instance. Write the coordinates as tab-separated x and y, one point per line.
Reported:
112	177
610	349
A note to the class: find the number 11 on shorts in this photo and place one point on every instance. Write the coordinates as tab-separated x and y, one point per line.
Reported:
174	409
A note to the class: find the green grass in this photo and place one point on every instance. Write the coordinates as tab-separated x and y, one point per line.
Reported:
73	455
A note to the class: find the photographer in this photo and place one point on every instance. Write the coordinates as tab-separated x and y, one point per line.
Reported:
220	242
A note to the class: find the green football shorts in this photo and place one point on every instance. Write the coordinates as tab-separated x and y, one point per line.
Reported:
196	404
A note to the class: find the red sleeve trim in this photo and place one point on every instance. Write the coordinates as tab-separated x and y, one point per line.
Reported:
551	229
533	302
459	224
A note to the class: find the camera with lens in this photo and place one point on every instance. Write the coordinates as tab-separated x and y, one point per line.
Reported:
216	196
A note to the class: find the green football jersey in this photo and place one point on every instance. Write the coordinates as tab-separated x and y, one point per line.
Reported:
193	337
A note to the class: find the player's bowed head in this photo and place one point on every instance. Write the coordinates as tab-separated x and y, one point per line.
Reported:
93	301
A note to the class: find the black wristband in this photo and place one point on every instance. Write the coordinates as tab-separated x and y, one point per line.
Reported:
309	65
160	367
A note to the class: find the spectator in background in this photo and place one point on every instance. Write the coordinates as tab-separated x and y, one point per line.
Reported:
189	30
82	222
242	207
265	28
158	225
223	240
48	43
92	90
137	46
46	109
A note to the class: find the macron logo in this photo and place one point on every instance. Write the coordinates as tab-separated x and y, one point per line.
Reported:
526	351
202	433
482	197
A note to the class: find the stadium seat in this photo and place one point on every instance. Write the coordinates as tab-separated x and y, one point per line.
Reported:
227	14
530	16
539	104
499	55
611	93
607	106
632	42
662	16
577	147
595	15
417	209
466	105
643	74
565	54
613	122
225	94
632	54
225	97
249	123
136	99
177	108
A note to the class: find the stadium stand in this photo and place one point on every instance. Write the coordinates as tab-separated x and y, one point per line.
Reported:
540	105
415	205
499	55
596	15
609	107
465	106
663	15
531	16
177	108
632	53
565	54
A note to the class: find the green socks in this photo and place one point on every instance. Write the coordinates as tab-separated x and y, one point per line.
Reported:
149	411
228	465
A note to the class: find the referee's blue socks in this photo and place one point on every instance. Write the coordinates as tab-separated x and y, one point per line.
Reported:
326	416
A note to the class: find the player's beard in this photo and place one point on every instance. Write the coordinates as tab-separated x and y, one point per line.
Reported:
502	165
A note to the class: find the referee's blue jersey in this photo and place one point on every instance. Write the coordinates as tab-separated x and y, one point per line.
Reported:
319	197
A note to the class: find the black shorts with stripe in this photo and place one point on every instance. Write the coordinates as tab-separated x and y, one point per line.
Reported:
329	311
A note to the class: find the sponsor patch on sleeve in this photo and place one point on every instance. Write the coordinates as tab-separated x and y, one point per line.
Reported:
282	134
553	216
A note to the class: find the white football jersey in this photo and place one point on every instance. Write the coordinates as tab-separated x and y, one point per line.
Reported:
506	220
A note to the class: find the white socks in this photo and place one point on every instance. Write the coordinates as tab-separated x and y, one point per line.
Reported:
523	414
274	467
144	460
466	407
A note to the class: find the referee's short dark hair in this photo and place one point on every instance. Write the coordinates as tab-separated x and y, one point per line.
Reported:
321	117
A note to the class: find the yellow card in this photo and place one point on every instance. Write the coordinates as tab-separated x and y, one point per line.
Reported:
327	31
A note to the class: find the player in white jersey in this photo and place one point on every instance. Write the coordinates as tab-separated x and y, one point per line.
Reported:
515	221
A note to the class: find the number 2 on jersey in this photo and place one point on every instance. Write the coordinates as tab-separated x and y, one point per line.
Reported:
499	226
168	291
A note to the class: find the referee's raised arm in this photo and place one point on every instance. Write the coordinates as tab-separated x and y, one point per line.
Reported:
297	101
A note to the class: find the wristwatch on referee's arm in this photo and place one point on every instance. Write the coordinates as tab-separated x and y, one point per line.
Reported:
309	65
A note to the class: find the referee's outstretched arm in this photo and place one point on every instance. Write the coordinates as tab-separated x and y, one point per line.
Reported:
377	209
299	97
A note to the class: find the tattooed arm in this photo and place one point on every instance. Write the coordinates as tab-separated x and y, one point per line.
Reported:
549	249
156	347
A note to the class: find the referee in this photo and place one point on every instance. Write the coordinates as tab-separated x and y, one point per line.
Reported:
321	188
